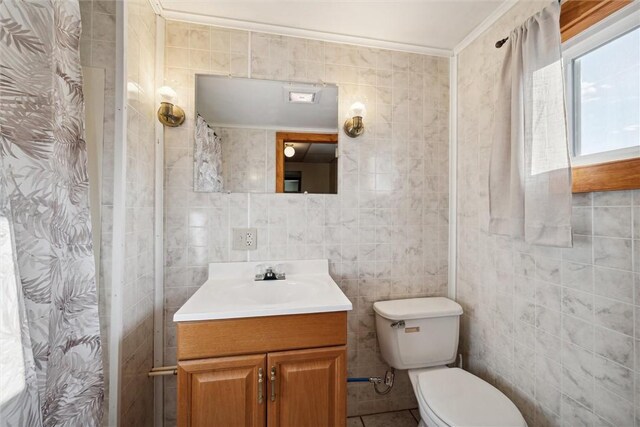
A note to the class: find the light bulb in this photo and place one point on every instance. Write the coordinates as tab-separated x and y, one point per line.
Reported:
167	94
289	151
357	110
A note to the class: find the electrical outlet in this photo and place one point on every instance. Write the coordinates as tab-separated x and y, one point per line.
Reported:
245	239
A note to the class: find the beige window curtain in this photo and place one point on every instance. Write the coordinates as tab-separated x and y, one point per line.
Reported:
530	174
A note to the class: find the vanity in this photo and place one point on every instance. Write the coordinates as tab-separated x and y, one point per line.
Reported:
263	352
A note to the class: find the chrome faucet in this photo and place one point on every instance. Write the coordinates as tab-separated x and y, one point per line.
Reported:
269	274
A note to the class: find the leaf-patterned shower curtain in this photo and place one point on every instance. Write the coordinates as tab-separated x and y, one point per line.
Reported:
44	165
207	159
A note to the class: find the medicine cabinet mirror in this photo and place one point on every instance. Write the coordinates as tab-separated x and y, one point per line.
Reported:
265	136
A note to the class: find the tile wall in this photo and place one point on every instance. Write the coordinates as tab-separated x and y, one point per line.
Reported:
553	328
385	234
136	388
248	157
97	49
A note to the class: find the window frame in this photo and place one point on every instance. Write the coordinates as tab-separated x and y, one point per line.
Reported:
576	17
595	37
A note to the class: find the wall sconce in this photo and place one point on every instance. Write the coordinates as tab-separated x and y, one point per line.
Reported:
169	114
354	126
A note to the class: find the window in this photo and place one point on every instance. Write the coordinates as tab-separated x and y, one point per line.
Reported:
602	68
12	365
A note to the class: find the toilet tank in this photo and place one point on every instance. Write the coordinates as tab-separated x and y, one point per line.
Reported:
418	332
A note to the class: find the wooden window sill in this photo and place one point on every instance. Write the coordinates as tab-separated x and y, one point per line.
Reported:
610	176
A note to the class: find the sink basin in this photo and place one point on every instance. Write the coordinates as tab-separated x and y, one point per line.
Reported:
230	292
272	291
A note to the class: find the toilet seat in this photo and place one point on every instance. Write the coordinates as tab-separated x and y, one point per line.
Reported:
430	419
456	398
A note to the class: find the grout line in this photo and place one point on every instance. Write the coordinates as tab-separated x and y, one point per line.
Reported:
373	414
249	36
249	223
633	298
592	326
412	414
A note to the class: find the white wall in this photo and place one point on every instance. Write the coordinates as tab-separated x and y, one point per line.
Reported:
136	351
97	50
552	328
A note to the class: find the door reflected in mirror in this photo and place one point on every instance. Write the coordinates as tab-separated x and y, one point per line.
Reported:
306	163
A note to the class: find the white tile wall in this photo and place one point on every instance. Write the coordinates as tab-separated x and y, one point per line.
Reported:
553	328
248	160
97	49
385	234
136	388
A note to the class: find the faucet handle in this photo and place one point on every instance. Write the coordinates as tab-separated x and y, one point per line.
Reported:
279	270
259	272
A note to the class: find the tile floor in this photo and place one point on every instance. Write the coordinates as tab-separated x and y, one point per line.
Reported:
408	418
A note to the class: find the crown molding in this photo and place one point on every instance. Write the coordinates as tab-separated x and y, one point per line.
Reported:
243	25
156	6
484	25
282	30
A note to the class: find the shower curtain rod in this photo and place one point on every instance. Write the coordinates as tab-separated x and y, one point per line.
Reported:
499	43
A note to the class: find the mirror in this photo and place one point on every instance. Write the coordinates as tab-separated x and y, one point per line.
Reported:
265	136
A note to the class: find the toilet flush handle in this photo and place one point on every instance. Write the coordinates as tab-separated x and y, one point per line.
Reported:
398	324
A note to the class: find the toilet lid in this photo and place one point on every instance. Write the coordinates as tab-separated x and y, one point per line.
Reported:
461	399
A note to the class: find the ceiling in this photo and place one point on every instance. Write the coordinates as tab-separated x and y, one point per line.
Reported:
415	24
263	104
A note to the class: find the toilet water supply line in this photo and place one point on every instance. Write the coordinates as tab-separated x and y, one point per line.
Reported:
389	376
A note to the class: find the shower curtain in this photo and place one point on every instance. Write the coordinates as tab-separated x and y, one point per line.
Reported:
207	159
44	210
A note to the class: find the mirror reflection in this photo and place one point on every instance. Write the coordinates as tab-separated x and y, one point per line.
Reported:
306	162
265	136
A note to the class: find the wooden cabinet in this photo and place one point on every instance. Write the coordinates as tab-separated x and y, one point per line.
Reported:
223	391
296	379
309	388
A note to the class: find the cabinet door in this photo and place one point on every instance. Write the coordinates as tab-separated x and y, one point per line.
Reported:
307	388
222	392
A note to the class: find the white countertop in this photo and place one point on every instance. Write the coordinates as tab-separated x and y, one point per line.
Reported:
231	292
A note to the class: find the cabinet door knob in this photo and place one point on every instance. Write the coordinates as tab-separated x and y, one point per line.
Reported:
273	384
260	385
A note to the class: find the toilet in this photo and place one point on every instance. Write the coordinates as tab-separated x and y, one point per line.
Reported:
421	335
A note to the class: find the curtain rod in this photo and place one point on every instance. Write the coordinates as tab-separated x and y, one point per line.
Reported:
499	43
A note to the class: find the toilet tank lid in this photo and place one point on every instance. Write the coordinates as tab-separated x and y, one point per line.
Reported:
417	308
